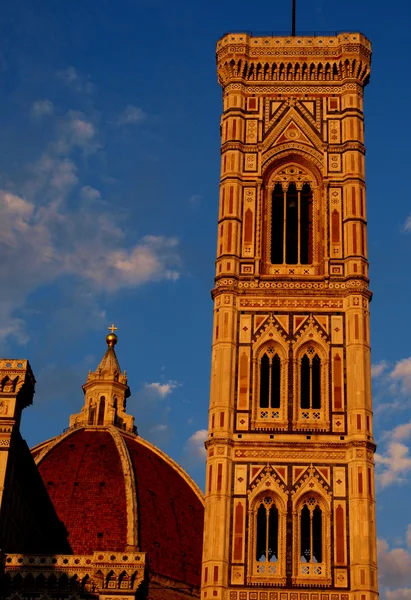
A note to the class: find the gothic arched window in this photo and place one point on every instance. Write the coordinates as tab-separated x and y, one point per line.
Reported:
266	547
311	537
310	380
270	381
291	218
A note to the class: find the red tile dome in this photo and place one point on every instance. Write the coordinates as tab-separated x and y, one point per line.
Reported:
114	491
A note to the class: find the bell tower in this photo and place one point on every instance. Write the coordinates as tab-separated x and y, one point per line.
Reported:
290	506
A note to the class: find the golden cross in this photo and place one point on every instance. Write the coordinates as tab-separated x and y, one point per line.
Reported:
112	328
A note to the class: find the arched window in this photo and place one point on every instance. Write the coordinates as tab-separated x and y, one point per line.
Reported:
311	537
291	218
92	415
101	411
270	381
266	547
310	380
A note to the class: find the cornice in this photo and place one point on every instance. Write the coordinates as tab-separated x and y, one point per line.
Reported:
346	146
277	289
295	88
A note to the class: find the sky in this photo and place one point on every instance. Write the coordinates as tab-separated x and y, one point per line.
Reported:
109	172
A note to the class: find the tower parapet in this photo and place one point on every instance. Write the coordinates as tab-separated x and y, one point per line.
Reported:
258	58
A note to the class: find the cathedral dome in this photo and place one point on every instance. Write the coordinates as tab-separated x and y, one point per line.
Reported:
117	492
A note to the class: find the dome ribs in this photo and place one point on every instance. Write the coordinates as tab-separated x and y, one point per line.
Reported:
170	516
91	490
81	473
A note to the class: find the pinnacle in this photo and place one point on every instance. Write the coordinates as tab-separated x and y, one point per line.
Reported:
109	363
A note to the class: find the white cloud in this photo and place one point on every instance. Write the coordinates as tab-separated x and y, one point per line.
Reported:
394	465
15	328
42	108
399	594
162	389
82	131
71	78
408	538
392	385
194	448
90	193
394	568
401	432
131	115
63	175
54	227
378	369
161	427
75	130
146	261
401	374
54	177
41	243
407	225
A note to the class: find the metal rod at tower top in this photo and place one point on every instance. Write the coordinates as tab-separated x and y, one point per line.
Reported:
293	18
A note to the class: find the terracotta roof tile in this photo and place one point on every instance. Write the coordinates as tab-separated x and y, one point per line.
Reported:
170	516
84	478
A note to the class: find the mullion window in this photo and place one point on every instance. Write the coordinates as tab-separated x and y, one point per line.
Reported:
261	545
275	382
267	533
291	225
277	226
264	381
270	381
316	524
310	382
305	534
311	534
292	237
272	525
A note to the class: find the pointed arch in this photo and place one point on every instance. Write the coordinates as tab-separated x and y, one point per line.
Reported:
111	580
311	366
270	381
327	72
267	534
312	524
312	71
304	71
124	581
292	199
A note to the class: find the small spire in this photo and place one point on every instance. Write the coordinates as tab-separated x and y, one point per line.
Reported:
106	391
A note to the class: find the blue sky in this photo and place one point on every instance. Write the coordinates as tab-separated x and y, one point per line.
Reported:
109	167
